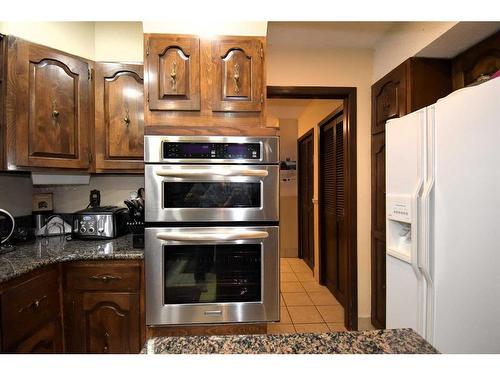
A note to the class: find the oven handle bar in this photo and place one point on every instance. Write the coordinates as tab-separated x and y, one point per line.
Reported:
192	172
211	236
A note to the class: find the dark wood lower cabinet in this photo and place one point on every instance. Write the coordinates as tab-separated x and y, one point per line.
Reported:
47	340
111	323
102	309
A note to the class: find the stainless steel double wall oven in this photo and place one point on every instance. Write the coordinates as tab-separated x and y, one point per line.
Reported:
212	232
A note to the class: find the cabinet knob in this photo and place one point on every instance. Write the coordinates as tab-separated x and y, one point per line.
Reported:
126	119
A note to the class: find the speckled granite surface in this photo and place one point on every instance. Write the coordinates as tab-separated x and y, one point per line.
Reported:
390	341
54	249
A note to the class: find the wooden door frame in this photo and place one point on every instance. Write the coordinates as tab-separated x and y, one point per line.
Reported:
309	133
348	95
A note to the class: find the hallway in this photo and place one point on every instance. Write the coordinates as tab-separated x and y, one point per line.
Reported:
305	305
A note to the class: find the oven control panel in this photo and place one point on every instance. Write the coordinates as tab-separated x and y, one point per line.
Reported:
190	150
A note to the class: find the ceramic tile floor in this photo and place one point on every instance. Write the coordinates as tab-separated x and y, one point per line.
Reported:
306	306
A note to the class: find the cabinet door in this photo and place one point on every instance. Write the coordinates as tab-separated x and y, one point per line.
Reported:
52	114
111	322
119	117
389	98
378	230
237	80
173	72
47	340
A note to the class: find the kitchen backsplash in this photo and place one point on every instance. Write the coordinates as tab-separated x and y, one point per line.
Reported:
114	190
16	191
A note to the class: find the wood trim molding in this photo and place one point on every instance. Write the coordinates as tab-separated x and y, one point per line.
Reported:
349	95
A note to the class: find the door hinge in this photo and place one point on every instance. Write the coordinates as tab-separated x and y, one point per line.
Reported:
89	72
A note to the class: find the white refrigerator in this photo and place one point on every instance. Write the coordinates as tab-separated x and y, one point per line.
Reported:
443	221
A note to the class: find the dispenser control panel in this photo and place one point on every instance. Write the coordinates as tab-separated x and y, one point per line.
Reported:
399	208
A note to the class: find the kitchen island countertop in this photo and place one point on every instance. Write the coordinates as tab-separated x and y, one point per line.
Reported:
43	252
389	341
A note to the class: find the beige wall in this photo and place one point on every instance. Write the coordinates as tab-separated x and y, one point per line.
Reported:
206	28
73	37
100	41
288	191
119	41
404	40
291	66
15	194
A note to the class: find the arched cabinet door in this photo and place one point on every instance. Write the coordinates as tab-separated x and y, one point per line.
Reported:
389	98
52	108
173	72
111	322
119	121
237	74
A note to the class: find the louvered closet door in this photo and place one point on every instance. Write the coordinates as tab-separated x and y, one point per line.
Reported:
306	207
333	230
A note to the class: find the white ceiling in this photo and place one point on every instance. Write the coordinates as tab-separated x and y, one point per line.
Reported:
327	34
286	108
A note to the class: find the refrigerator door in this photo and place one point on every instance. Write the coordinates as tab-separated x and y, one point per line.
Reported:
466	255
405	144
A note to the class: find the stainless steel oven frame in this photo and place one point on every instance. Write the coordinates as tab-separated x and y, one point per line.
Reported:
158	313
266	175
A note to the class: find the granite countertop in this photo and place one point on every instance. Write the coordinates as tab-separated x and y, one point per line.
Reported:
28	257
390	341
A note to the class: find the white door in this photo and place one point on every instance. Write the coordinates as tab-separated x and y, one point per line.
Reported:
467	221
404	180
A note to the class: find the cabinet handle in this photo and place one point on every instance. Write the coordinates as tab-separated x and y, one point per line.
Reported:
173	76
126	119
55	112
33	305
105	278
106	341
236	78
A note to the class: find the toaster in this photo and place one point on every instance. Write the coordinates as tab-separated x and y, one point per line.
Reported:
100	222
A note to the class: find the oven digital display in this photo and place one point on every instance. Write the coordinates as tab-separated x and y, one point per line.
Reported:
190	150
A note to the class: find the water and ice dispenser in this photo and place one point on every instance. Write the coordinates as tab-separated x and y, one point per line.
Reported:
399	226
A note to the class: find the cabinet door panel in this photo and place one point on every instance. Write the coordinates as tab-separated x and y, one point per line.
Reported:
119	116
111	322
52	116
389	98
173	67
237	75
53	129
47	340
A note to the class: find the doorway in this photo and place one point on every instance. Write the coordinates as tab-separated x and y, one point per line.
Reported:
332	223
305	179
348	95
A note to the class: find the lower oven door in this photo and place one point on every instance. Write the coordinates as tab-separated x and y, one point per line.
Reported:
211	193
212	275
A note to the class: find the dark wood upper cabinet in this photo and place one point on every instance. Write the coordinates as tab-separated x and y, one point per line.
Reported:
173	67
388	98
119	117
416	83
237	75
3	56
52	107
479	61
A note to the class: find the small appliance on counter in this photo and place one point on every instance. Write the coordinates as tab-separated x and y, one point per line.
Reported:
7	226
100	222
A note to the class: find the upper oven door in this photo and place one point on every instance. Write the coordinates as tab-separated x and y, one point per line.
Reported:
212	193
